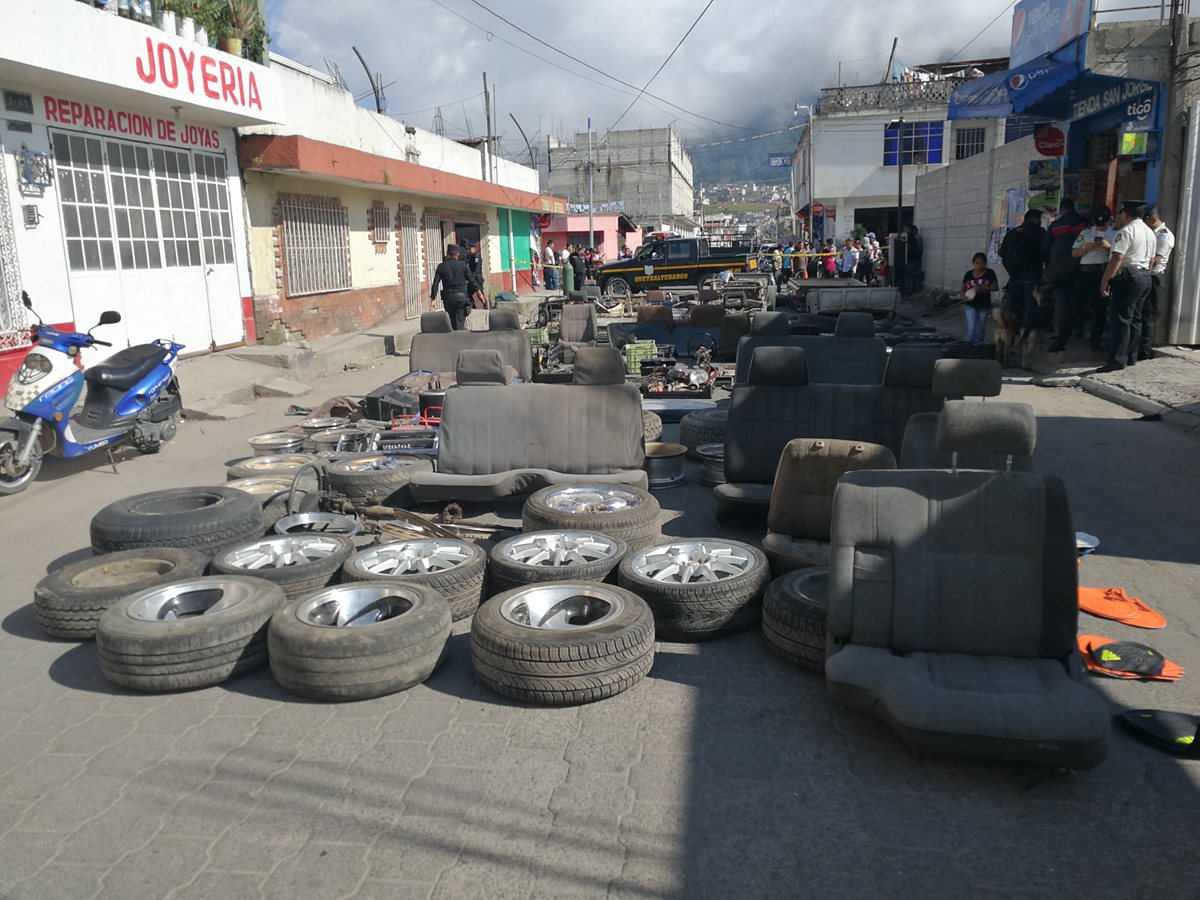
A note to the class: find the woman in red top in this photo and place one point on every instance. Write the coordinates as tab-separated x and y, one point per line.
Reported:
978	284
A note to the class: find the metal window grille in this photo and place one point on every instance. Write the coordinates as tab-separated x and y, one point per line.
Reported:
134	208
216	223
316	240
969	142
410	250
433	245
381	225
177	207
921	143
83	194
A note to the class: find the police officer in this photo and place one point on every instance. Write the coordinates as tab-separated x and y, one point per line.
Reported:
1127	282
458	284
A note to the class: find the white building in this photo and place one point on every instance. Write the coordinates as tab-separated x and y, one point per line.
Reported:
645	173
851	152
119	184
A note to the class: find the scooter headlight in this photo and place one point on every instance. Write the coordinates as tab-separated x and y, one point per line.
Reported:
34	368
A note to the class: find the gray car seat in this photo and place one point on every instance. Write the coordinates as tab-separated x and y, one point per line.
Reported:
854	355
497	440
503	320
576	328
437	346
953	600
855	325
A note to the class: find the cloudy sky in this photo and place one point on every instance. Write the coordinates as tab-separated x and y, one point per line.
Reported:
745	64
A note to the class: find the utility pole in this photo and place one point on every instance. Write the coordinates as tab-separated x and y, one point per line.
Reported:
591	195
900	193
495	138
487	108
887	73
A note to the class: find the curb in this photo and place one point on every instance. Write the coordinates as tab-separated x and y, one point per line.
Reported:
1178	419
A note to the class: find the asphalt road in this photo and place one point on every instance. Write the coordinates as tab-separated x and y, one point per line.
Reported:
726	773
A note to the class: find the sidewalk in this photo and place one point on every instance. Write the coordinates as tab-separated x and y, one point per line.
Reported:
1167	387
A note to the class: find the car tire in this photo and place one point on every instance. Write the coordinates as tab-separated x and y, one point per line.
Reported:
141	647
794	617
652	427
537	557
69	601
705	426
376	478
206	519
455	569
301	564
559	666
280	465
676	580
619	511
314	655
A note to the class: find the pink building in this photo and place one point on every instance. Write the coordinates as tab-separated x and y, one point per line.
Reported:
611	231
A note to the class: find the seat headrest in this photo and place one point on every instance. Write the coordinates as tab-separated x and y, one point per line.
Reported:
436	322
971	426
480	367
779	366
855	324
967	378
770	324
911	367
598	365
503	320
708	295
576	296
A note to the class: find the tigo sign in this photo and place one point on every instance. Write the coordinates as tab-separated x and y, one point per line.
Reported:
1139	115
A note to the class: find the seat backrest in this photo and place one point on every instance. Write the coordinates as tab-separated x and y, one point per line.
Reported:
907	392
592	291
655	315
777	405
439	352
578	323
707	314
500	319
770	324
597	365
808	473
734	327
852	299
576	430
844	360
969	562
855	325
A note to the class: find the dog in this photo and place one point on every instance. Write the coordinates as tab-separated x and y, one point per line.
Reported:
1017	344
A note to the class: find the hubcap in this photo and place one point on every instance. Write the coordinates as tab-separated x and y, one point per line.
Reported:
562	607
589	499
193	597
554	549
281	462
352	606
693	562
415	557
324	423
320	523
277	442
281	552
261	487
374	463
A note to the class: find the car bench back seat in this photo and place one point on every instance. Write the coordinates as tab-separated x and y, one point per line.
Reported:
852	355
953	600
497	440
656	323
437	346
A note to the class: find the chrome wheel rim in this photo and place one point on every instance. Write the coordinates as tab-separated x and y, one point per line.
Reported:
261	487
591	499
414	557
556	549
693	562
282	552
562	607
276	462
318	523
356	605
323	423
377	462
277	442
185	599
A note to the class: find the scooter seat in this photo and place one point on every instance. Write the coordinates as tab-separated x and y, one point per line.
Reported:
125	369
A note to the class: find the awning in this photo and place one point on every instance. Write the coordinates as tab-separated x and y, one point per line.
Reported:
1003	94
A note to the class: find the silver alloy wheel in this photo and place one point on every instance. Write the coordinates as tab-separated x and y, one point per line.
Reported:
584	499
318	522
323	423
414	557
554	549
693	562
261	488
276	442
562	607
276	463
356	605
376	462
193	597
281	552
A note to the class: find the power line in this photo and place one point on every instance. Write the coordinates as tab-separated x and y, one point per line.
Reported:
660	68
586	65
413	112
753	137
983	30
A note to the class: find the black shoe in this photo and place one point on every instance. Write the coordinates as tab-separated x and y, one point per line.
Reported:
1145	356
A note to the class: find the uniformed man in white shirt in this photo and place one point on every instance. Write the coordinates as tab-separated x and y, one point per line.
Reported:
1126	282
1091	249
1164	243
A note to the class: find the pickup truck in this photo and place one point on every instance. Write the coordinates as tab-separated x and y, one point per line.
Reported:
671	263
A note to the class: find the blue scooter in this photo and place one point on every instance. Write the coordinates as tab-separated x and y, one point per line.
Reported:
133	394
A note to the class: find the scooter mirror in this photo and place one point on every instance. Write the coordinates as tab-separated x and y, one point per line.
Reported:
25	299
110	317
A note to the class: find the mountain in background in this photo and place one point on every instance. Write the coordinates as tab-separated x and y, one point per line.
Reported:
743	160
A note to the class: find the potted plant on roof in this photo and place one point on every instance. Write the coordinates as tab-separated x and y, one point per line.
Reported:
243	19
166	16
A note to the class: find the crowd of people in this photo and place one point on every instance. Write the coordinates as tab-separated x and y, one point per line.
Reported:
1096	278
580	260
860	258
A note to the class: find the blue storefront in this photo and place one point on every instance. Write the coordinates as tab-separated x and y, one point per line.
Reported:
1112	126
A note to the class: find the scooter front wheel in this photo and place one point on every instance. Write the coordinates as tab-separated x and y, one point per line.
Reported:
14	478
